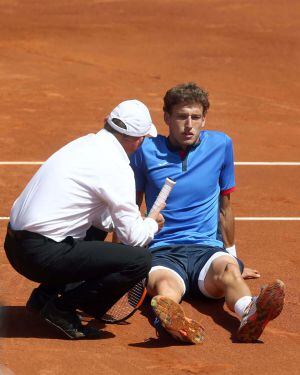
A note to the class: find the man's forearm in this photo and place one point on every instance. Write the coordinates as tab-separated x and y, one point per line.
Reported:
227	226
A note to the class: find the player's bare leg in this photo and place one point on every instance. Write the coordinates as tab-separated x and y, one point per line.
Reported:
224	279
167	289
166	283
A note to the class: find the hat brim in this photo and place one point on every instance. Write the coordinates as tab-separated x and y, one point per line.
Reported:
152	132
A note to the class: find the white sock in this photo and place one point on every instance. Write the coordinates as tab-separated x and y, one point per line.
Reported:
241	305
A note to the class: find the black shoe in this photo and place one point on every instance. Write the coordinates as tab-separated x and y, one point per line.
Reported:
68	322
38	299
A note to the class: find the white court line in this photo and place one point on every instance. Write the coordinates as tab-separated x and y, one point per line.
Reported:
237	218
275	163
21	162
267	218
267	163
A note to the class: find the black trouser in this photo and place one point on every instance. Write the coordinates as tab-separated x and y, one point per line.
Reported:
89	274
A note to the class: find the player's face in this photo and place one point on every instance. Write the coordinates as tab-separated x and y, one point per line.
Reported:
185	123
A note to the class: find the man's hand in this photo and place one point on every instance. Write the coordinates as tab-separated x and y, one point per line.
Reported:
157	216
249	273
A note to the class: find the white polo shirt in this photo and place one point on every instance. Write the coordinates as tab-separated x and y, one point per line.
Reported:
87	182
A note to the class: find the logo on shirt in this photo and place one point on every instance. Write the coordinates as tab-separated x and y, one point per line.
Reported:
162	164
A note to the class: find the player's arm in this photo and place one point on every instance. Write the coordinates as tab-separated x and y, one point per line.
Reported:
227	183
227	186
115	238
228	232
227	221
139	198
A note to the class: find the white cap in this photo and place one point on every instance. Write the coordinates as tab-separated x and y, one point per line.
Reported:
135	116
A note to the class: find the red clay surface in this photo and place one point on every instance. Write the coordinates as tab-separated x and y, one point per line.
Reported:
65	64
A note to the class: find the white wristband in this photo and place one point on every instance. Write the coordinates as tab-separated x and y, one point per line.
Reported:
231	250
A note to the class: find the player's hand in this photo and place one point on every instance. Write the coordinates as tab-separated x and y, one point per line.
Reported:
249	273
160	221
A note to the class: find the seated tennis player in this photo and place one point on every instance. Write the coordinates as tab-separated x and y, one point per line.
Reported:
187	255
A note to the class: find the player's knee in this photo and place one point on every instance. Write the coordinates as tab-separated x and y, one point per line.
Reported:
230	274
158	284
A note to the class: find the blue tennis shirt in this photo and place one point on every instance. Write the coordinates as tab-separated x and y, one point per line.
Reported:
205	172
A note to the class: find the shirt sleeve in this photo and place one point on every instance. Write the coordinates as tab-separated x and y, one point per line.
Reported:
118	191
227	176
104	221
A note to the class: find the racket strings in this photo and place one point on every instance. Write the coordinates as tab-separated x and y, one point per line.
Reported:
127	304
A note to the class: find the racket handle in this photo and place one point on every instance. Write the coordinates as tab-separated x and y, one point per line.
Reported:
162	196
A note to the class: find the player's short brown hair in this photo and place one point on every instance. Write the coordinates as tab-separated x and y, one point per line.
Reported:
186	93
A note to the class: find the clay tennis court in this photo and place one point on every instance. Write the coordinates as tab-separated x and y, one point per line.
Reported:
65	64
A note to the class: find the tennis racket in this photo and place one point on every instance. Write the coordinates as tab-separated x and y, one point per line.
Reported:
163	195
127	305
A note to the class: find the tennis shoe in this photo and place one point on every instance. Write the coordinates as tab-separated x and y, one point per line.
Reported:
267	306
172	318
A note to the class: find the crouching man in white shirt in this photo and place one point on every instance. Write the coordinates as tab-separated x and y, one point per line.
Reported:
59	222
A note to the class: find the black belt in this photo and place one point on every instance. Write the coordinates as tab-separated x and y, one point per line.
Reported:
21	234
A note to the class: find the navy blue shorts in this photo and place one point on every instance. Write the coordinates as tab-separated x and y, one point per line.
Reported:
187	261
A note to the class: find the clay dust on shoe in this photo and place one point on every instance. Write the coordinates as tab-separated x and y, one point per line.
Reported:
267	307
173	319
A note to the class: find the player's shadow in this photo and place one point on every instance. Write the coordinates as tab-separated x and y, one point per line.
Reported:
161	338
19	322
215	310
